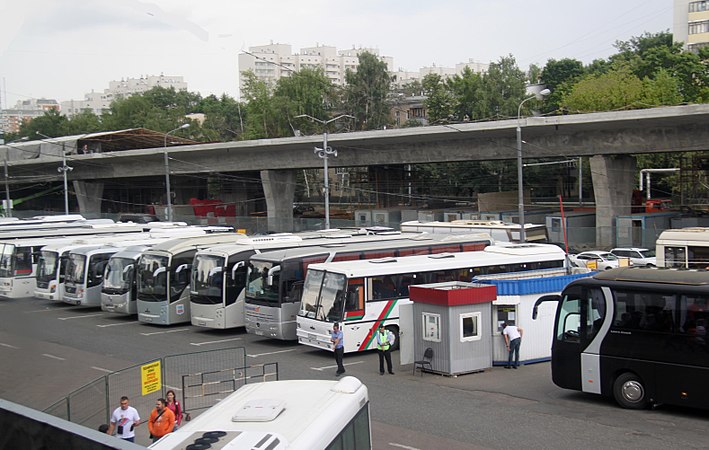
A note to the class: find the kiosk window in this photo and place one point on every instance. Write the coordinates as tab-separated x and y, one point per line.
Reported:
470	327
431	327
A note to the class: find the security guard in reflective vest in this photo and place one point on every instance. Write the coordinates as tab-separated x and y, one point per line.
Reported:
385	339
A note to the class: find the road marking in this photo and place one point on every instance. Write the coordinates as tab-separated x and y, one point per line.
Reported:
271	353
214	342
44	310
115	324
164	332
101	369
172	387
53	357
334	366
394	444
80	317
9	346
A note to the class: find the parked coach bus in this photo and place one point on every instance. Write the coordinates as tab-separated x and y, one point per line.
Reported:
273	301
635	334
683	247
219	272
361	295
500	231
119	289
280	415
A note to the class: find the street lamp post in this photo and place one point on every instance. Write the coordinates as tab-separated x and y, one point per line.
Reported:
167	170
63	170
520	181
324	153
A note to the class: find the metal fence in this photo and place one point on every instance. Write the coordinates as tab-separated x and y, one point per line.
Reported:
199	379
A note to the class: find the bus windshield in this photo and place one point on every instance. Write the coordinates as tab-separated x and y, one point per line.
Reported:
207	279
323	296
263	281
47	266
119	275
152	278
75	268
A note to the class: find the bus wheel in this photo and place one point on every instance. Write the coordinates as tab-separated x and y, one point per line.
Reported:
629	391
395	331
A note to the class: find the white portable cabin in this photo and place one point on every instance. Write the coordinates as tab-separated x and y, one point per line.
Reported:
516	295
641	230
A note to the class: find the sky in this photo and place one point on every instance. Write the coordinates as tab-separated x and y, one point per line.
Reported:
62	49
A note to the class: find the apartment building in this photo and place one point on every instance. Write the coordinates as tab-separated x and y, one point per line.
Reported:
24	111
98	102
691	23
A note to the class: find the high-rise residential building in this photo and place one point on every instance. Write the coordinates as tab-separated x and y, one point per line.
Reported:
691	23
98	102
274	61
24	111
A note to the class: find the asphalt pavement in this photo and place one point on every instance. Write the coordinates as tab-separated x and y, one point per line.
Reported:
48	350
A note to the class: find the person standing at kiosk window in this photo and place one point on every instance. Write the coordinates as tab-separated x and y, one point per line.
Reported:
513	339
385	338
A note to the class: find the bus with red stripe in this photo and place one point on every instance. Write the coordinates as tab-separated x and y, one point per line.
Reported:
361	295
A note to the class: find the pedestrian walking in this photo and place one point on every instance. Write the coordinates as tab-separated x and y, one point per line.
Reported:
123	421
174	406
385	339
513	339
338	346
162	420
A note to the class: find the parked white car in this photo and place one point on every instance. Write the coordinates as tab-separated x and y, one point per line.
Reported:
641	257
604	260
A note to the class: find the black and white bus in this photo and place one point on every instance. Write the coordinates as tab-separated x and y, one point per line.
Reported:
635	334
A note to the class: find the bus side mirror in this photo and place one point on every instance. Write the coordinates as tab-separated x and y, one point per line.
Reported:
542	299
236	267
271	272
215	270
128	272
182	267
158	271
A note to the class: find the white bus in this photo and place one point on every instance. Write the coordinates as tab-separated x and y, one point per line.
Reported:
163	274
19	259
272	302
361	295
634	334
683	247
51	266
280	415
119	289
219	273
500	231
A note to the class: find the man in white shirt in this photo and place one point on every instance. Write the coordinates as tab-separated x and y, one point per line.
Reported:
124	420
513	339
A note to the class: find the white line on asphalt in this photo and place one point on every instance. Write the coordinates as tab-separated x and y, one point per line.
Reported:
41	310
101	369
80	317
164	332
214	342
9	346
334	366
115	324
53	357
172	387
271	353
394	444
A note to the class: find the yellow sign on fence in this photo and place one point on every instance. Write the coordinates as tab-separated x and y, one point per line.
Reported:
150	377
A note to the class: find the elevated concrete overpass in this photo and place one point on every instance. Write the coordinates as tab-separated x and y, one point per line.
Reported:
609	138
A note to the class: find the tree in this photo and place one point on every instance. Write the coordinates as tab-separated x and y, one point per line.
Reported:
52	123
466	90
259	107
307	91
503	87
440	102
559	76
366	93
615	90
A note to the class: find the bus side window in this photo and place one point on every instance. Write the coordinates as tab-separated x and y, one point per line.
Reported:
570	316
355	298
596	312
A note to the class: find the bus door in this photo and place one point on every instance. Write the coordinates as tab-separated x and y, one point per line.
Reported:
575	355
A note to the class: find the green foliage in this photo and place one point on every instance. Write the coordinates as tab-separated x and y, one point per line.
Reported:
616	90
366	93
440	101
503	88
52	124
466	90
559	76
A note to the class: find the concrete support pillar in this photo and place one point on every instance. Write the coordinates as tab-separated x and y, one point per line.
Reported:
279	190
89	196
613	182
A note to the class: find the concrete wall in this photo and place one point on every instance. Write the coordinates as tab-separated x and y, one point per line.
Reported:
613	183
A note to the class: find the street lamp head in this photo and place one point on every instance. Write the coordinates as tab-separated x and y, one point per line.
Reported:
187	125
543	93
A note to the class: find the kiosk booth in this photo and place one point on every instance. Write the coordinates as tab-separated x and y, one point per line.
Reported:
453	319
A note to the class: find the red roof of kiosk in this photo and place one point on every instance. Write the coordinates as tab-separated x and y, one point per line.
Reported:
453	293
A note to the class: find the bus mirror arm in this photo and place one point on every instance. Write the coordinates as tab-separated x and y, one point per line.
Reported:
542	299
271	272
235	268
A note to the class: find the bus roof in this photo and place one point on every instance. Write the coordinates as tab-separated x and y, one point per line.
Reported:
426	239
492	255
131	252
303	412
178	245
699	234
655	275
